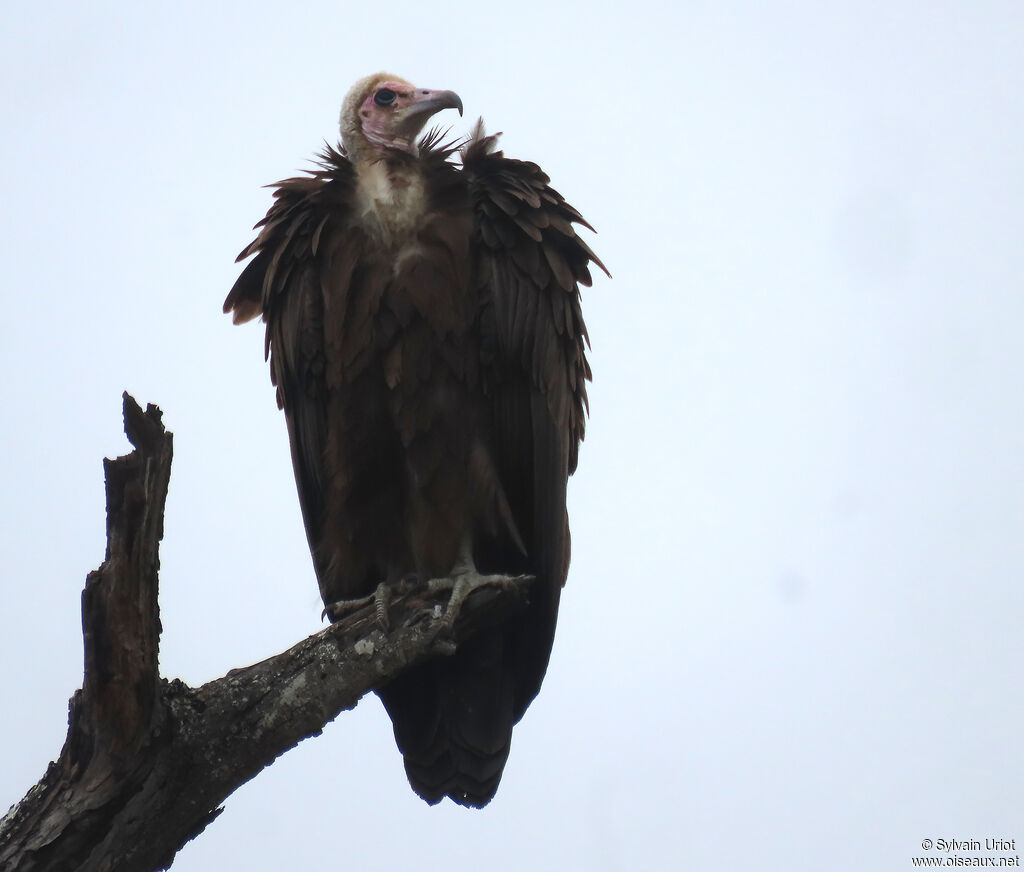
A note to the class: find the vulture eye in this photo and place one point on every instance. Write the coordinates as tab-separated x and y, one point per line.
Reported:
384	97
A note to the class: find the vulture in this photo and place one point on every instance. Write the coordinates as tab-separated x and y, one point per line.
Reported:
425	337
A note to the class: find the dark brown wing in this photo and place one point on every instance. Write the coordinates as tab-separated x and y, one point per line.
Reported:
528	265
298	242
453	718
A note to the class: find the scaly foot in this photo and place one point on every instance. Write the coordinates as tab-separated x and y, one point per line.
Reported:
462	582
381	599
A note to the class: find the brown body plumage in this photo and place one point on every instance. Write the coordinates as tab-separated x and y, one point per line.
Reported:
426	341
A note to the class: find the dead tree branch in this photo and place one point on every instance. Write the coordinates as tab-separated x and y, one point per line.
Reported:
147	762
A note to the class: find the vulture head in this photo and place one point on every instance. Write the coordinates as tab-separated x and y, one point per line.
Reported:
383	112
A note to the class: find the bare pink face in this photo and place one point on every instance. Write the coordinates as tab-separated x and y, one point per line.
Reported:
394	112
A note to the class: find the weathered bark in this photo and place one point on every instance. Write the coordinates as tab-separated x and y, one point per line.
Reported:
147	762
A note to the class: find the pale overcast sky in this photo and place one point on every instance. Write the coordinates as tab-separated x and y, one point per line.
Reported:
791	636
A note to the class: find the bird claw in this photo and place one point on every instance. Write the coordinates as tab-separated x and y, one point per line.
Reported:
381	599
462	584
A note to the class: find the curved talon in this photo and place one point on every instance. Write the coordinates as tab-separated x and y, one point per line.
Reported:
381	599
462	584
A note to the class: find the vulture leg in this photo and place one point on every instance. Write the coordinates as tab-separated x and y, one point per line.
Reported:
464	580
381	598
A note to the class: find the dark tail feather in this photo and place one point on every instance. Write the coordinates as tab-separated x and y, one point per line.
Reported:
453	723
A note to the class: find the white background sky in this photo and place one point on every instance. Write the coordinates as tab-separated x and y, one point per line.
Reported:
791	637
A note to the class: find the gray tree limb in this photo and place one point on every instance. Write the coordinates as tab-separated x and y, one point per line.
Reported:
147	762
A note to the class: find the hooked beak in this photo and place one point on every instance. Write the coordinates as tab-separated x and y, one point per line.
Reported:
426	103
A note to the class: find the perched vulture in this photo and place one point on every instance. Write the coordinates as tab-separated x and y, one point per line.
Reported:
425	337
